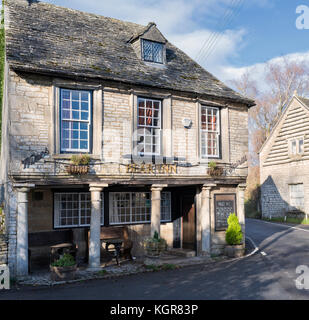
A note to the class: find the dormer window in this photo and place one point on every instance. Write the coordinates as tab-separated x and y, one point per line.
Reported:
152	51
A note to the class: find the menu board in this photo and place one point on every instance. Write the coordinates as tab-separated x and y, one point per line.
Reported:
225	204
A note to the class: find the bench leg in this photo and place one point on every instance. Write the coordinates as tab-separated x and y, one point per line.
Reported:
117	253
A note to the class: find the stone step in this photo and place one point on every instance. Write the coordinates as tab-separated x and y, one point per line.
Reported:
181	252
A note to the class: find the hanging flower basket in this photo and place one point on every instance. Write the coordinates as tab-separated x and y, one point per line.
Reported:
79	164
215	172
77	169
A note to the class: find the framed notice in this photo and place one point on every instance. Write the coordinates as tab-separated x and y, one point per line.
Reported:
225	204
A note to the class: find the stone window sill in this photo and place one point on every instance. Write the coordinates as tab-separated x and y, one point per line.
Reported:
68	156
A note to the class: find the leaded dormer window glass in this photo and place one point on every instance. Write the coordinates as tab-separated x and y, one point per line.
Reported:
152	51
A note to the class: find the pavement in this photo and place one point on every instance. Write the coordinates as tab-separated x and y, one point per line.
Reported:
268	273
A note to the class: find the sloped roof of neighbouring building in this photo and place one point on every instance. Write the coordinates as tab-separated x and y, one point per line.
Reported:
49	39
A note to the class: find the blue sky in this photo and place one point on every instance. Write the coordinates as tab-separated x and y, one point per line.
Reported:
226	37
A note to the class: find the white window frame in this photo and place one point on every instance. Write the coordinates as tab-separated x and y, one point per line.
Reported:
153	43
70	120
152	130
296	140
204	132
293	200
111	208
57	210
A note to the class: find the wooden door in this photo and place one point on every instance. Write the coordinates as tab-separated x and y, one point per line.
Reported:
188	222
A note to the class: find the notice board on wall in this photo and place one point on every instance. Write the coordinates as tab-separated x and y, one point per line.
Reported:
225	204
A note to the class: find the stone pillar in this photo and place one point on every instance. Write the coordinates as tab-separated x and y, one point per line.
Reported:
95	228
156	208
22	232
241	205
205	220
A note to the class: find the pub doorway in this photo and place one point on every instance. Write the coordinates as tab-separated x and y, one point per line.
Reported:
188	221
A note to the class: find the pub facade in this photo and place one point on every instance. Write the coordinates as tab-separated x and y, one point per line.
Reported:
141	118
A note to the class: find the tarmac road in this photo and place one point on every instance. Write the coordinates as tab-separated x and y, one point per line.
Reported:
270	273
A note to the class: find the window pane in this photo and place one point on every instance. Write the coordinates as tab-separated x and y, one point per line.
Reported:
157	52
75	107
294	147
136	207
297	200
149	125
73	209
153	51
209	131
147	50
300	146
75	95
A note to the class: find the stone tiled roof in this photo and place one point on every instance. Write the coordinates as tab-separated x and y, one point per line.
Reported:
48	39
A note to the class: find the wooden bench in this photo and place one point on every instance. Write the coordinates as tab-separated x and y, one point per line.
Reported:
39	245
111	233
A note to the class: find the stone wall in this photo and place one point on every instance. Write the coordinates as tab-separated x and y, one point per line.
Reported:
275	181
40	212
139	232
218	237
3	249
238	128
32	105
11	217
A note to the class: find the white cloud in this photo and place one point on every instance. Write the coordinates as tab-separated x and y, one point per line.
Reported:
257	71
180	21
216	60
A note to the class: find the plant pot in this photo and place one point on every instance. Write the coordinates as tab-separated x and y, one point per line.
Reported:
77	169
215	171
154	249
234	251
62	273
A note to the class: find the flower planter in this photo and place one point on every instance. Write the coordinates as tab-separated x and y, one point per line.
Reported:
234	251
215	172
154	249
62	273
77	169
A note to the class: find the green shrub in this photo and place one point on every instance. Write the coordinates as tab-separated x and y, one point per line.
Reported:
67	260
233	235
102	272
80	159
212	165
156	239
169	266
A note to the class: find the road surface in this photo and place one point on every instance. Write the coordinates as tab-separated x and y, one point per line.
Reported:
270	273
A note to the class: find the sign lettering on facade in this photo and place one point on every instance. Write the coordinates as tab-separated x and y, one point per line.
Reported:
152	168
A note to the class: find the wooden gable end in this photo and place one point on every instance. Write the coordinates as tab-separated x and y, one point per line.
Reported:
294	124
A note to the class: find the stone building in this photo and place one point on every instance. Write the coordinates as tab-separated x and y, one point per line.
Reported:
149	117
284	164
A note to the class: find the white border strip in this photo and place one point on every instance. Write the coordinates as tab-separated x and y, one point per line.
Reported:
256	248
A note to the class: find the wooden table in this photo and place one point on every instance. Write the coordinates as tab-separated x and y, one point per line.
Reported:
117	243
